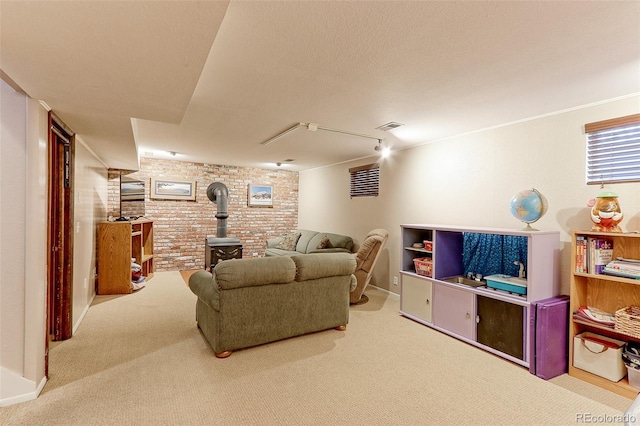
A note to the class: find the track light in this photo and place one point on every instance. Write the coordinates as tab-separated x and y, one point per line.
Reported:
383	150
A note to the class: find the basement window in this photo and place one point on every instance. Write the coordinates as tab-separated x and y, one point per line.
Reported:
365	180
613	150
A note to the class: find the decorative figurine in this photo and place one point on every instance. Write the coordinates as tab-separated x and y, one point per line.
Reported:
605	212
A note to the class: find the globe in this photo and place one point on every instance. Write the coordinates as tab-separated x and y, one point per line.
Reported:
528	206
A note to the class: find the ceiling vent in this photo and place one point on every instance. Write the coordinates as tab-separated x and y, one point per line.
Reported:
389	126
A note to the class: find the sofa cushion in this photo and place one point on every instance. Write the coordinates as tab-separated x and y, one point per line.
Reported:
279	252
336	240
313	266
236	273
289	241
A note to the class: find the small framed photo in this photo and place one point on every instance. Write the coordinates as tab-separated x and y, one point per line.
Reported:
173	189
131	189
260	196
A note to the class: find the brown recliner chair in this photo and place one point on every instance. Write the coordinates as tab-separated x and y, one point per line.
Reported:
366	259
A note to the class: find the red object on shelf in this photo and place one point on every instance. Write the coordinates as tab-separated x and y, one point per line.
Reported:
428	245
424	266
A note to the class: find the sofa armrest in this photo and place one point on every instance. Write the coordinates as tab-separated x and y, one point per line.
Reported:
203	285
354	283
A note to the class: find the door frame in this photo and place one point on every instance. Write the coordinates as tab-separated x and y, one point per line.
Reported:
60	233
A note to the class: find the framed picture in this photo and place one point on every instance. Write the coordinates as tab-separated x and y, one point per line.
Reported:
173	189
131	189
260	196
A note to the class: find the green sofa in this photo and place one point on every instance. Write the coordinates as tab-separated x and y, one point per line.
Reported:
308	242
248	302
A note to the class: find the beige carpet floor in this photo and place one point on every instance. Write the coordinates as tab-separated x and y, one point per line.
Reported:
139	359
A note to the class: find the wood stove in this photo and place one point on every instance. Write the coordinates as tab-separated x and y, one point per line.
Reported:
219	249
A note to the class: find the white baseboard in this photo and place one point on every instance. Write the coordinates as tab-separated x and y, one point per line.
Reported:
25	389
84	312
390	293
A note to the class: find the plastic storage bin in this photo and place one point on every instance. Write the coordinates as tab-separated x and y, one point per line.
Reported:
634	377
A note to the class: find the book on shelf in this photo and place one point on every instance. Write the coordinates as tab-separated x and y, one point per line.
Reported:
593	254
621	267
581	250
602	254
595	316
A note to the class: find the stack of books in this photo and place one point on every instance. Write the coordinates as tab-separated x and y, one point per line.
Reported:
593	254
621	267
595	316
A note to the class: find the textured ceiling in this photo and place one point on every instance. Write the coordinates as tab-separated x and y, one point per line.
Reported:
210	81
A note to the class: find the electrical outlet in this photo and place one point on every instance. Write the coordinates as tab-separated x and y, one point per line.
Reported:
85	283
395	280
255	254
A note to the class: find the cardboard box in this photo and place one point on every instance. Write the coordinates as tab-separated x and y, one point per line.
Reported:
599	355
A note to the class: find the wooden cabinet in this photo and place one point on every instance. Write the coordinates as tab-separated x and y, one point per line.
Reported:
605	292
444	299
120	244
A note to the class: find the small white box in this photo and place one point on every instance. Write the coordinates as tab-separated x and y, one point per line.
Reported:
599	355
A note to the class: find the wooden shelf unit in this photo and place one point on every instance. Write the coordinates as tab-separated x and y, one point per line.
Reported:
605	292
118	244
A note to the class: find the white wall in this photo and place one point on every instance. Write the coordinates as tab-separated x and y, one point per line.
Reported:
23	240
469	180
23	162
90	207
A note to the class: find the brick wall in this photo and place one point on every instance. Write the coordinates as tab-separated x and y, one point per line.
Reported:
181	227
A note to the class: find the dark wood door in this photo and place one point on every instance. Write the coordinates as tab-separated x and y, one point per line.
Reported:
60	233
501	326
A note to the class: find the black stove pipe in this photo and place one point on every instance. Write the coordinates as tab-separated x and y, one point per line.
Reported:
218	193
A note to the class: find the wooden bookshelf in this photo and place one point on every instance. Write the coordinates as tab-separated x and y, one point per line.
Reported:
120	243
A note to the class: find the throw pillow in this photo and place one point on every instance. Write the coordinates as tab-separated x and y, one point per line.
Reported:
289	241
325	243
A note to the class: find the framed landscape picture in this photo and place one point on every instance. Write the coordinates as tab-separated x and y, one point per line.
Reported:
173	189
260	196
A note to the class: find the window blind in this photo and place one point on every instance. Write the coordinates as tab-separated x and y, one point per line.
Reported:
365	180
613	150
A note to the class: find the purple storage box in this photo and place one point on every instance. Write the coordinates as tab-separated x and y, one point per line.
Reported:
549	331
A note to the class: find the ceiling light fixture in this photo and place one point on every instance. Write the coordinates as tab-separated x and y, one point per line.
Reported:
383	150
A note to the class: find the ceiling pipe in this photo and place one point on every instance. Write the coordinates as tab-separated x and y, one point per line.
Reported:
281	134
313	127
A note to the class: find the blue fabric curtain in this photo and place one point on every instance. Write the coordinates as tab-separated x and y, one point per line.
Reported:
489	254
